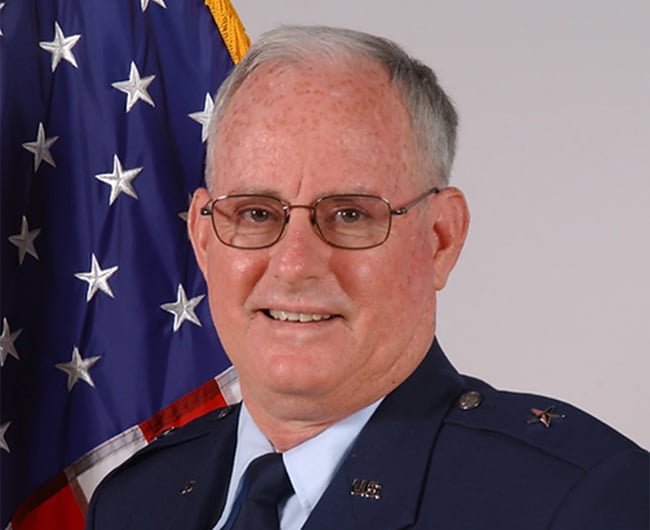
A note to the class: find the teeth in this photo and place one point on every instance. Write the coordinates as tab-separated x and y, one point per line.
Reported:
297	317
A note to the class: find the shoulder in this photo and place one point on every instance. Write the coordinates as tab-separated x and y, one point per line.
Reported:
538	423
565	472
204	431
209	429
219	421
149	489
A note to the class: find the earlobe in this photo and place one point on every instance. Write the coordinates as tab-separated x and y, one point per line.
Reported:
451	226
199	227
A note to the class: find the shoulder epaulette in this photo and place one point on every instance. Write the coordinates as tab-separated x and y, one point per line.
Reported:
550	425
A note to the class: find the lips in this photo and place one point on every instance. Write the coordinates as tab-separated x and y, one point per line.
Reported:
287	316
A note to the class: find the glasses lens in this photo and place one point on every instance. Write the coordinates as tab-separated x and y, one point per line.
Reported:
353	221
248	221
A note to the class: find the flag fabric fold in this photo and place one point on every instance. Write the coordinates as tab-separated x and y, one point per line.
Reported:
106	336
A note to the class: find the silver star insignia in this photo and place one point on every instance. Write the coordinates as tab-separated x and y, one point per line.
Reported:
144	4
3	442
97	279
2	5
545	417
120	180
25	241
7	340
135	87
61	47
78	368
203	117
183	309
41	148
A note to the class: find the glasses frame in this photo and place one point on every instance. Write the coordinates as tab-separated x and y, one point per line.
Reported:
208	211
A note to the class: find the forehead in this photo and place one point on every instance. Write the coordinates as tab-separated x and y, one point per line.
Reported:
311	118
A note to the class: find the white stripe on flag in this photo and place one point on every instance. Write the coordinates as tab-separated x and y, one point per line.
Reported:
95	465
228	384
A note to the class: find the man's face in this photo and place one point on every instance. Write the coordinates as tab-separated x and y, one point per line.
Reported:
299	133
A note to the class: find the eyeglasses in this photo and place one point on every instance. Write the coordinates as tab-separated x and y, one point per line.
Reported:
248	221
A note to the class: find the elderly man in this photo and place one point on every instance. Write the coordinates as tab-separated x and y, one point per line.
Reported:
325	231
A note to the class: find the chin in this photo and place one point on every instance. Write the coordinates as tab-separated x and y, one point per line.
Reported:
292	380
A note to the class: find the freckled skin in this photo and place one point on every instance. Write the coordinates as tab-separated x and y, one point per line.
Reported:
299	133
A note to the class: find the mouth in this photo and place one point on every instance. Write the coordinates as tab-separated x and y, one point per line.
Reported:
287	316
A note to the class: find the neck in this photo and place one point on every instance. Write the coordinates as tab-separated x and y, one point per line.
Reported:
286	433
289	418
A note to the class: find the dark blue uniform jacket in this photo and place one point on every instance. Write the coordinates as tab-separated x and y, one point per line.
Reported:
442	451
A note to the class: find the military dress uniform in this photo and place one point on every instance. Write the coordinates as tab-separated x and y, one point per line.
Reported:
442	451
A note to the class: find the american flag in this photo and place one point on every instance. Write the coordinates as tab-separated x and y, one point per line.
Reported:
106	337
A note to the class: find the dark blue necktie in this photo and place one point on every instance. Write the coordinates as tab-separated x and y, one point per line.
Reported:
266	484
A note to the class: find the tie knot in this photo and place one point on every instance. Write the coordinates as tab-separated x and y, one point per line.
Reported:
267	479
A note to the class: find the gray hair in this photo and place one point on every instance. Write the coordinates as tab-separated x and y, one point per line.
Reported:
433	117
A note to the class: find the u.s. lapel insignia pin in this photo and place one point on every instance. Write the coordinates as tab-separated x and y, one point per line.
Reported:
368	489
545	416
188	487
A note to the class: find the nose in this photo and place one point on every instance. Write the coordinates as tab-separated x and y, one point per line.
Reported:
300	254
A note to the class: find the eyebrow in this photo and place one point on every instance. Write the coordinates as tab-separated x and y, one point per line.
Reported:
253	189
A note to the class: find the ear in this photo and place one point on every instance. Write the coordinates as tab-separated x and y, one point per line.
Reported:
450	227
199	227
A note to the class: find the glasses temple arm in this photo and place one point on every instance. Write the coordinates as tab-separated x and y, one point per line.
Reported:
407	207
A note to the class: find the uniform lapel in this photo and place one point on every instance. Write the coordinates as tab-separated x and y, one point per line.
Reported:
380	482
203	484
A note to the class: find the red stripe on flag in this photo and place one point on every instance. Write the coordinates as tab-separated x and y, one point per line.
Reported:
54	501
39	513
205	398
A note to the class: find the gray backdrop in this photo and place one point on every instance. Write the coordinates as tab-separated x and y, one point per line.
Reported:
552	293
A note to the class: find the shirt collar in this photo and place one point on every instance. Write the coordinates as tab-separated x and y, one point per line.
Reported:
251	443
312	464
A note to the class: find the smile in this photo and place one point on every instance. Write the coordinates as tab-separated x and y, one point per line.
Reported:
296	317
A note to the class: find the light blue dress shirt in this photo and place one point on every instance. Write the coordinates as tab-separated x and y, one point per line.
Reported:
310	465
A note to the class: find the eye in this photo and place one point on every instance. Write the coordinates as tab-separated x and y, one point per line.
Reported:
255	214
349	215
253	211
349	212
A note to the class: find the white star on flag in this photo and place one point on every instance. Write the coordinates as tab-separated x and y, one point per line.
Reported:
78	368
61	47
120	180
203	117
183	309
41	148
97	278
25	241
144	4
3	442
2	5
135	87
7	340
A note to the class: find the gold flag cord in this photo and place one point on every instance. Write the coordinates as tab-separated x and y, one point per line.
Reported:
230	26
